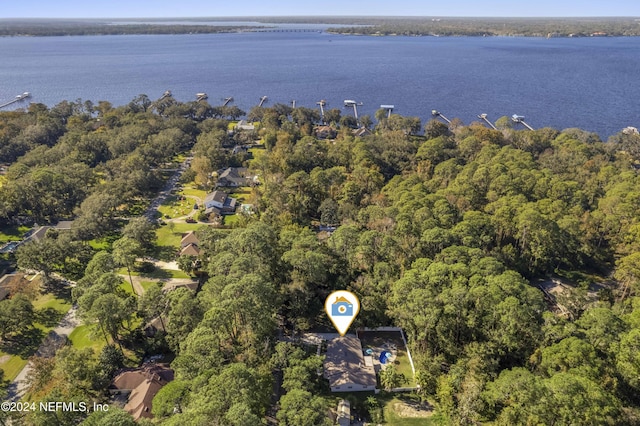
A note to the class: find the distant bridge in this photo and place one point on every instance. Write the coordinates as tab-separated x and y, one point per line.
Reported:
284	30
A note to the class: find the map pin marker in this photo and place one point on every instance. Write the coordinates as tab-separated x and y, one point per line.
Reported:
342	307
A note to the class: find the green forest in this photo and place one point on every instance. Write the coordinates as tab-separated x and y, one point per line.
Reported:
78	27
510	258
485	27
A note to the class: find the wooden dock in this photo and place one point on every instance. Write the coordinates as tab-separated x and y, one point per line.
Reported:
18	98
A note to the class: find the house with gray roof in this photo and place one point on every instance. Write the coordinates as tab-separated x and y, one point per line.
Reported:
221	201
234	177
345	366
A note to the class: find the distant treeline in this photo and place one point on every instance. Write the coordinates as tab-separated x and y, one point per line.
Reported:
67	28
527	27
408	26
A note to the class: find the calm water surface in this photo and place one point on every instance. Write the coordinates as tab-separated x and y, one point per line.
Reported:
590	83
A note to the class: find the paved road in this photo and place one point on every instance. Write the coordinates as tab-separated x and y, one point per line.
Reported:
18	387
67	324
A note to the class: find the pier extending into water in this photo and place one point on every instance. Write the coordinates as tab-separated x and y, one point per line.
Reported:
18	98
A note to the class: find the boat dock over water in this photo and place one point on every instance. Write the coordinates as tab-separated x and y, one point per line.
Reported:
18	98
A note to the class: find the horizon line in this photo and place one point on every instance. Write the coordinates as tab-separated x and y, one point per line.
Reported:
226	17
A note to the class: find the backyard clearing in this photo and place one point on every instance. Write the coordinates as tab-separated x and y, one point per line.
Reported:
411	410
391	341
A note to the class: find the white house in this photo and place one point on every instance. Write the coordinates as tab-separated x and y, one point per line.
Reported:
221	201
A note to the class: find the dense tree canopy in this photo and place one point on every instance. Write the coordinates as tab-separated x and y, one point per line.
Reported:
460	236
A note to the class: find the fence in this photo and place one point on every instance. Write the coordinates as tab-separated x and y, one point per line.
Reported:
404	340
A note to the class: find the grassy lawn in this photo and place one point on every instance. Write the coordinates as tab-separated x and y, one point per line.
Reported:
12	233
171	238
49	301
257	150
148	284
404	367
83	337
160	274
194	192
230	219
49	311
168	241
12	365
173	207
105	242
157	274
179	158
126	287
241	194
380	340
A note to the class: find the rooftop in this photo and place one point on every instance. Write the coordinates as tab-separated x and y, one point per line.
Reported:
344	363
233	172
217	196
190	250
142	384
189	238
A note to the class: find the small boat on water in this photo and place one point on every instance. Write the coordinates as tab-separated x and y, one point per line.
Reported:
24	95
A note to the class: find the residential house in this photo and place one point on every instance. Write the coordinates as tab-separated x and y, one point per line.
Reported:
138	387
345	366
189	244
325	132
361	132
244	125
239	149
190	250
221	201
234	177
189	238
64	225
38	234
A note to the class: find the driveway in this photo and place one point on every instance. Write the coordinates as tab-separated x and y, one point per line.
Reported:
166	191
18	387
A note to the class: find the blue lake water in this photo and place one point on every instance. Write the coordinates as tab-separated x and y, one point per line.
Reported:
591	83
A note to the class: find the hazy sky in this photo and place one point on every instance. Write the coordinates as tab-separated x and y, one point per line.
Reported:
206	8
